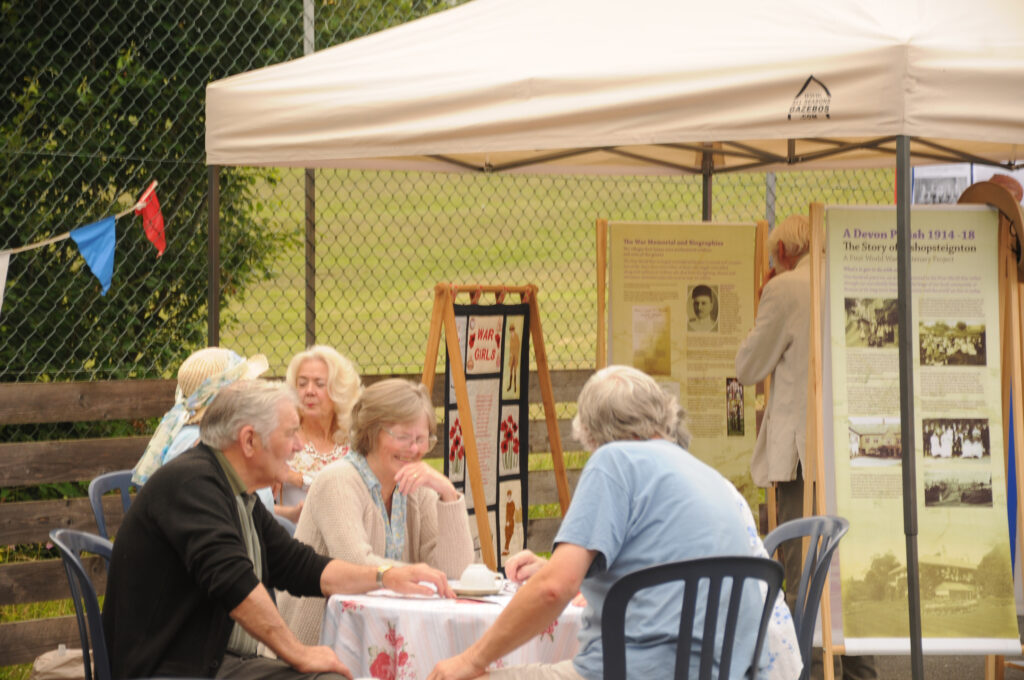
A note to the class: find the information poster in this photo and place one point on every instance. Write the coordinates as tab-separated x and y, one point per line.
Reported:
495	349
681	299
963	543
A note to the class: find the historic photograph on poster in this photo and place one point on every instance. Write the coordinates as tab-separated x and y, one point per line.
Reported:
953	342
703	316
955	438
875	441
940	183
957	488
652	339
734	407
871	322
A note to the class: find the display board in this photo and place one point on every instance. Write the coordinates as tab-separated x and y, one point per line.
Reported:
963	541
494	344
680	302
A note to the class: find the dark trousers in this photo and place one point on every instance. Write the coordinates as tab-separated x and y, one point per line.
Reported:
791	506
258	667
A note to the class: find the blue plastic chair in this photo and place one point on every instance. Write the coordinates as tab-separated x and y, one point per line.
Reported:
823	533
72	544
120	480
722	575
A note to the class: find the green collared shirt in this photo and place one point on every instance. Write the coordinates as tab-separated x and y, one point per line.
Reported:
240	642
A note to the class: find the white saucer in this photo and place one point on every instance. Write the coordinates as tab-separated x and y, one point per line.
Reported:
475	592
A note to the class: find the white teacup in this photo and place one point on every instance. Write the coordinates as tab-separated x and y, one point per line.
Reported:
479	577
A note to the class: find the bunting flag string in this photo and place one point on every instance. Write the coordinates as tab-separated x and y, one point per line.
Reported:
96	241
152	218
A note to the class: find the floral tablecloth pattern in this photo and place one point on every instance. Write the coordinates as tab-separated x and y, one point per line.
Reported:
390	637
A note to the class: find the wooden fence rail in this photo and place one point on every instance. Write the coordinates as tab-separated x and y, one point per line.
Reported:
43	462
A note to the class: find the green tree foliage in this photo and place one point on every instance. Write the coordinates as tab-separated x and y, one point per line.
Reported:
993	577
98	98
881	577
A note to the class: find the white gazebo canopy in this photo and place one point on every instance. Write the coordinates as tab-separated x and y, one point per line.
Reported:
649	86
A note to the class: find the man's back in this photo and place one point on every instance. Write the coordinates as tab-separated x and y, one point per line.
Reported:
778	346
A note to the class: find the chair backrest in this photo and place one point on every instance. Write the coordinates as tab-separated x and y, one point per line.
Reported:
823	533
723	576
118	479
72	544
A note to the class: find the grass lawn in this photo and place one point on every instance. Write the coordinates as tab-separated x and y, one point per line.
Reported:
385	239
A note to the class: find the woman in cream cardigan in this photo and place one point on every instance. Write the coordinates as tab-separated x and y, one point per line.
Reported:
382	504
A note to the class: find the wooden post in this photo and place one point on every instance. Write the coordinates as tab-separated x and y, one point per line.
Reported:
548	397
761	256
814	449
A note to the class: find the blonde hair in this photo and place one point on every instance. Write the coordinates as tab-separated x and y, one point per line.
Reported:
343	384
794	233
620	403
389	402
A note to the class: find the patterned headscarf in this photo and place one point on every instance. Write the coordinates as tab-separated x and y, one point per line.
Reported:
220	367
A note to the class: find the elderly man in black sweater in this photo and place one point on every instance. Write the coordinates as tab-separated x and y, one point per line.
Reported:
197	556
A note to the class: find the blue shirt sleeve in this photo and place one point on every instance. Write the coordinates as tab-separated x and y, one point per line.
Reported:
599	515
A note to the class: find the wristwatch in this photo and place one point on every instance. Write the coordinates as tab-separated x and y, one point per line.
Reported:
381	570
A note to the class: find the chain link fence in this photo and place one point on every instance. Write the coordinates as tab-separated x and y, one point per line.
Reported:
100	98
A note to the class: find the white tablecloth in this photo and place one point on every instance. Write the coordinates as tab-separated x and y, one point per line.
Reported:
388	636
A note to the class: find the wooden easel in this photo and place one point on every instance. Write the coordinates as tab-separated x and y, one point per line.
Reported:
444	315
1011	317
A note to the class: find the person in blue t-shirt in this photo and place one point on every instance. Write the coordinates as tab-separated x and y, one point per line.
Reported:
642	500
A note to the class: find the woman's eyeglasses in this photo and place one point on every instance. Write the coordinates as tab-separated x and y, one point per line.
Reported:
406	439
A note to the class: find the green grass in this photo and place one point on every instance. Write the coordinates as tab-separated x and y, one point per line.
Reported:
385	239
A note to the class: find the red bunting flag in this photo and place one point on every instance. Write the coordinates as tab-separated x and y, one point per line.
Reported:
152	218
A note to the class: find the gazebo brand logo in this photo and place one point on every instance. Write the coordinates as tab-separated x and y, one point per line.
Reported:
812	101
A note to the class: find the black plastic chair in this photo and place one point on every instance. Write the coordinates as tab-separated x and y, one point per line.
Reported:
823	533
722	575
72	544
120	480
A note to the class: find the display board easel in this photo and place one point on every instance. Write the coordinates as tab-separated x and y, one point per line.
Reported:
1011	332
768	508
443	315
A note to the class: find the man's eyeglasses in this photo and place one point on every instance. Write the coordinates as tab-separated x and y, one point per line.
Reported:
406	439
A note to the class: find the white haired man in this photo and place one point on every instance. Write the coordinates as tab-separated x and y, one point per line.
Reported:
779	344
197	557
